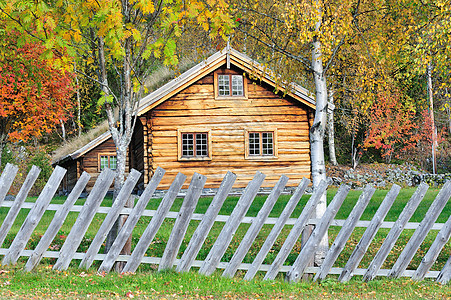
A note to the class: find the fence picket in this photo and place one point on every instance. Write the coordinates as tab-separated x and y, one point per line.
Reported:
440	240
445	274
420	234
277	228
428	260
346	231
20	198
84	219
56	223
394	233
205	224
308	251
255	228
34	216
131	222
154	224
182	221
225	236
367	237
295	232
7	178
110	218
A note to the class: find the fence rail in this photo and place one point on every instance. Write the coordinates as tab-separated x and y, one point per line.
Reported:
186	215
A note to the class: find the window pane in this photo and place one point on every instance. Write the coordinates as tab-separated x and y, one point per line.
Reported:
187	144
201	144
113	162
237	85
223	85
267	143
103	162
254	143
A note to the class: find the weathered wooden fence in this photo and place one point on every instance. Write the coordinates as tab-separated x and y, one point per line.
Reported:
68	251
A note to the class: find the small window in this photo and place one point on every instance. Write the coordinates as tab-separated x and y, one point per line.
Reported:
107	161
229	85
194	146
260	144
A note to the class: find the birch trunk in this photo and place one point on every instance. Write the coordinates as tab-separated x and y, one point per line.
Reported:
431	110
122	135
317	137
330	129
77	90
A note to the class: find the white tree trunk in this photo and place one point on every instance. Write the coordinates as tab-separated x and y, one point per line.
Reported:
316	140
78	100
63	130
330	129
431	110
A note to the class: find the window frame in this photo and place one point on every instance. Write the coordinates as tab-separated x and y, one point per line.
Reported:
109	155
260	156
230	74
180	156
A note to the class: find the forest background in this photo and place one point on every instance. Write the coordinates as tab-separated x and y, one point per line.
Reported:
385	69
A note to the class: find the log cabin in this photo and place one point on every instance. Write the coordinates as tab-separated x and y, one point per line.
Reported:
225	114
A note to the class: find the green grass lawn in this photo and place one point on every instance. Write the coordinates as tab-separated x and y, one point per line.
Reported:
158	245
76	284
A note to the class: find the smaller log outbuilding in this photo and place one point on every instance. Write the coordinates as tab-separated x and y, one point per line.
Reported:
224	114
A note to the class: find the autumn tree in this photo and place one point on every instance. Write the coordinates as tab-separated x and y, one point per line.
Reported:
118	36
34	95
296	39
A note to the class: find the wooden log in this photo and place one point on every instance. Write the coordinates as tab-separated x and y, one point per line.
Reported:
277	228
182	221
131	222
367	237
110	219
394	233
440	240
205	224
7	178
420	234
295	232
20	199
34	216
445	274
84	219
230	227
308	251
56	223
429	259
154	225
255	228
345	232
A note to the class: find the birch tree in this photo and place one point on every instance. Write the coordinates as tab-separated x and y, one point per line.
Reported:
301	38
117	38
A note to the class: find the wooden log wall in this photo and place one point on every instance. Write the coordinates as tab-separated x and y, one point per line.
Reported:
195	109
214	259
90	161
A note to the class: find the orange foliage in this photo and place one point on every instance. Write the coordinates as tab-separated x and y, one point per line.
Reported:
395	129
34	95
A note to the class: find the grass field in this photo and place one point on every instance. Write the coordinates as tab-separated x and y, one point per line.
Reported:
148	283
76	284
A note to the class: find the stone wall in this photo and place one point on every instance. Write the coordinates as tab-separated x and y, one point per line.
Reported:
383	175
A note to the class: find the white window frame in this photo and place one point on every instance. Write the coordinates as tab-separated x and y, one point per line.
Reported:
195	157
260	156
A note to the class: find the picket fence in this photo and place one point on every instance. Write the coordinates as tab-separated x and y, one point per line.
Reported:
68	251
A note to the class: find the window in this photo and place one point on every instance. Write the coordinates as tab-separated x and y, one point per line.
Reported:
107	161
261	144
230	85
194	145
